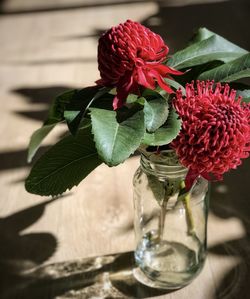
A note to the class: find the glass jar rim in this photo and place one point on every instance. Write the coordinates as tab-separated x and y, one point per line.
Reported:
164	163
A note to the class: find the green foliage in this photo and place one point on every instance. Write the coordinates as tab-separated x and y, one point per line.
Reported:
175	85
55	116
245	93
58	106
133	98
193	73
115	141
64	165
156	108
157	187
37	138
166	133
208	47
156	113
149	120
230	71
201	34
69	106
78	105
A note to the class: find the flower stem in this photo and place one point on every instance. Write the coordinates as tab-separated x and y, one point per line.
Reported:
162	219
189	215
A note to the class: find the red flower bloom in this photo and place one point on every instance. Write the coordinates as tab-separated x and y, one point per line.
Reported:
130	55
215	132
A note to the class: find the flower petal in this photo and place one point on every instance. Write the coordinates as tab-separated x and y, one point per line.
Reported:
143	80
161	82
131	47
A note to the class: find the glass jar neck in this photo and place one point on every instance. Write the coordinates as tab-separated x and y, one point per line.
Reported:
165	165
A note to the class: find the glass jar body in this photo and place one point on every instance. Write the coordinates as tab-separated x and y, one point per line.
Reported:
170	225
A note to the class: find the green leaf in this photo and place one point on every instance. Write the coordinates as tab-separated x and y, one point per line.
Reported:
85	123
246	100
69	106
193	73
115	142
231	71
64	165
156	113
57	107
150	94
165	134
176	85
245	95
70	115
214	47
157	187
133	98
37	138
242	90
81	100
55	116
201	34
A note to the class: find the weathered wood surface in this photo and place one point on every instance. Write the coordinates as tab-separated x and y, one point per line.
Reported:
80	245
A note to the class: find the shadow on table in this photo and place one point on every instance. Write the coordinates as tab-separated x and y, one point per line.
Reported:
21	277
100	277
56	8
17	158
34	96
231	198
20	252
37	96
176	24
40	95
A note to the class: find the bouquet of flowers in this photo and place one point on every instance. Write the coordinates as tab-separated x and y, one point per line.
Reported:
146	99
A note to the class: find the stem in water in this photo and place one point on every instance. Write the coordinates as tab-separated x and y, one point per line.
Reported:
163	211
162	219
185	198
189	215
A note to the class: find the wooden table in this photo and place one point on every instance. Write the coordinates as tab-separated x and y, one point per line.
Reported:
81	245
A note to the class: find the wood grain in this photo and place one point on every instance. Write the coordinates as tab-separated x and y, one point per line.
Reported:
81	245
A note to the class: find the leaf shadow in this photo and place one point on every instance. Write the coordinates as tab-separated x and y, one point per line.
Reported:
230	199
107	276
36	96
21	252
41	95
235	283
17	159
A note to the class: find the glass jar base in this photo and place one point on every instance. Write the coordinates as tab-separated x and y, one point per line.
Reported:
164	264
142	278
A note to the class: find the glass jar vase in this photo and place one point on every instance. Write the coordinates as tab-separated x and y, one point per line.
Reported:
170	223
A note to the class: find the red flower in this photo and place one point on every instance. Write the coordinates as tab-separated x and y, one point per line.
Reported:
215	132
130	55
